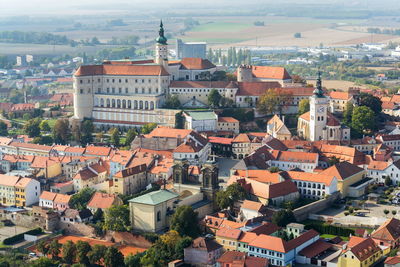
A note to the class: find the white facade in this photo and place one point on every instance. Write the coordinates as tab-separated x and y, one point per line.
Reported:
32	192
315	189
290	165
379	174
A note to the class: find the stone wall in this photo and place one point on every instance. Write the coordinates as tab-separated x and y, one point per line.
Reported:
77	229
27	220
302	213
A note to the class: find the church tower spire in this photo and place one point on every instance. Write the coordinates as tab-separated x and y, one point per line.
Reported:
318	112
161	47
318	92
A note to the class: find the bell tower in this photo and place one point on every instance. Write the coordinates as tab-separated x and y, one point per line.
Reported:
180	171
210	183
161	47
318	112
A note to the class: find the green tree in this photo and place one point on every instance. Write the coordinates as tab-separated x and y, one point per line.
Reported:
43	262
388	181
116	218
26	116
213	98
54	249
83	248
274	100
96	255
147	128
133	260
274	169
179	120
362	121
43	247
130	136
68	252
333	160
185	221
348	113
373	102
113	258
172	102
87	130
31	127
3	129
61	132
114	136
283	217
234	192
80	200
386	211
304	106
44	126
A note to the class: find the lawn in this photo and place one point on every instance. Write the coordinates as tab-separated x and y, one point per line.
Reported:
328	236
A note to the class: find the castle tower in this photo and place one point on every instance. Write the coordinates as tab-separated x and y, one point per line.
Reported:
161	48
210	185
83	96
318	112
244	73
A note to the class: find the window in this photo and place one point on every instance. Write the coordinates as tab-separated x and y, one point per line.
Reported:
158	216
81	81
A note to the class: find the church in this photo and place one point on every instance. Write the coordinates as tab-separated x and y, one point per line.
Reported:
319	123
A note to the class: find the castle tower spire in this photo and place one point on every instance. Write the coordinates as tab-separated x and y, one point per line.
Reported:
161	47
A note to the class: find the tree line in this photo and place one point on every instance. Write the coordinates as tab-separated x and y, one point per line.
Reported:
233	57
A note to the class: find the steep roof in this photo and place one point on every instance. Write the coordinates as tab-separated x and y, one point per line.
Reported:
122	69
196	63
268	72
342	170
362	248
390	230
252	205
47	195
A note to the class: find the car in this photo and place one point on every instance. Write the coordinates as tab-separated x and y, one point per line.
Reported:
32	254
361	214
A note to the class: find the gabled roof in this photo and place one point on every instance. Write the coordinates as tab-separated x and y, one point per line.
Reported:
342	170
315	249
311	177
255	88
227	119
229	233
362	248
389	231
252	205
62	198
168	132
268	72
196	63
240	259
47	195
340	95
295	156
101	200
241	138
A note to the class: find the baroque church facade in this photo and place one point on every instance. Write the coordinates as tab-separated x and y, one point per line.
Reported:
318	123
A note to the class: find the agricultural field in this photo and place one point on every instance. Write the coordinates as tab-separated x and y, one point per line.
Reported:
338	84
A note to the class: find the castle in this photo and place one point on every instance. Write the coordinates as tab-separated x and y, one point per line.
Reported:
127	93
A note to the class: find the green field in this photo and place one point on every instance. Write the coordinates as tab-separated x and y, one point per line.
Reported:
344	238
221	27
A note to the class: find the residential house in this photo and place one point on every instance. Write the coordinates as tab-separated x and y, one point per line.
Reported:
360	252
245	143
379	170
203	252
91	175
228	238
7	189
228	126
27	192
46	199
388	234
277	128
61	202
251	209
130	180
200	121
240	259
390	140
46	167
338	100
289	160
72	216
221	146
103	201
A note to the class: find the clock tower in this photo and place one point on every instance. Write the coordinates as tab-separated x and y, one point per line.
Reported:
318	112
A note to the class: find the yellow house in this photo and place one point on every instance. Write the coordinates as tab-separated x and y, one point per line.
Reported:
46	167
7	189
347	174
130	181
228	238
27	192
360	252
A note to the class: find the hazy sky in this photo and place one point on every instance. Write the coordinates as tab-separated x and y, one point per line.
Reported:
46	7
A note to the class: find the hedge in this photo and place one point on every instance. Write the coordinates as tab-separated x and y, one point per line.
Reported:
18	238
330	229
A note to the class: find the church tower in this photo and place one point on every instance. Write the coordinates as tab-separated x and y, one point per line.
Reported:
318	112
161	48
210	183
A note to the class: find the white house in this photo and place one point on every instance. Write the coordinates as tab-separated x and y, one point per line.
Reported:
379	170
201	121
289	160
46	199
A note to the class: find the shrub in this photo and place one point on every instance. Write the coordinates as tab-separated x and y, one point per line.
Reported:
346	213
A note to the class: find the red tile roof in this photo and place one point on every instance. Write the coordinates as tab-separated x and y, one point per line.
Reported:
240	259
362	248
121	69
255	88
48	195
202	84
230	233
315	249
227	119
194	63
278	73
220	140
389	231
101	200
340	95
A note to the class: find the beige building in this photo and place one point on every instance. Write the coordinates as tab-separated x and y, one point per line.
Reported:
277	129
148	212
229	125
130	181
90	176
338	100
245	143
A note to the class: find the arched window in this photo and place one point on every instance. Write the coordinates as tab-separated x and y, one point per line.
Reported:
151	105
146	105
101	102
135	105
108	103
113	103
124	103
118	103
129	104
140	104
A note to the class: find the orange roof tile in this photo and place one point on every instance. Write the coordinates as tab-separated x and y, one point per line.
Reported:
339	95
63	199
169	132
227	119
123	69
101	200
268	72
47	195
193	63
228	233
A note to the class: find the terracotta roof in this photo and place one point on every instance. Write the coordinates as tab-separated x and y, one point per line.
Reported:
98	150
131	171
31	146
395	98
340	95
85	174
220	140
22	107
269	242
227	119
23	182
168	132
266	228
123	69
295	156
392	260
378	165
278	73
48	195
240	259
229	233
202	243
62	198
241	138
247	237
331	120
315	249
202	84
388	105
8	180
255	88
188	147
195	63
389	231
343	153
310	177
252	205
342	170
263	176
362	248
101	200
